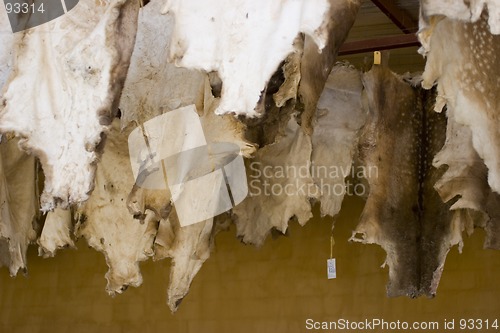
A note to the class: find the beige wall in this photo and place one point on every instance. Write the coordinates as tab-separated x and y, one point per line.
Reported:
244	289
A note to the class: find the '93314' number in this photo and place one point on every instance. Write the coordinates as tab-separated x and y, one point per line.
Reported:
23	8
478	324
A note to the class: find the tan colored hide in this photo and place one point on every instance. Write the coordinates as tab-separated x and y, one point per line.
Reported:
278	100
466	179
64	84
189	247
152	88
339	118
18	204
107	225
280	186
465	175
463	60
285	175
18	192
56	233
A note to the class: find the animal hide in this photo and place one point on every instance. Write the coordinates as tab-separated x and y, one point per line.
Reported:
62	91
280	186
56	233
107	225
339	118
464	10
18	191
18	204
462	58
154	87
147	96
245	42
285	175
279	101
301	78
189	247
316	66
466	179
404	213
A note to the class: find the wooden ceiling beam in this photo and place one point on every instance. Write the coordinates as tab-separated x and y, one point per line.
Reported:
379	44
399	16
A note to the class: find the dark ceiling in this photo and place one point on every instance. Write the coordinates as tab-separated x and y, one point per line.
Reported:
385	24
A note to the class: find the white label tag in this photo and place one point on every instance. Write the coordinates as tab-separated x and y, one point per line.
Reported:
331	269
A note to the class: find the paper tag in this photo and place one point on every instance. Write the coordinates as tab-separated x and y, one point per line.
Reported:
331	268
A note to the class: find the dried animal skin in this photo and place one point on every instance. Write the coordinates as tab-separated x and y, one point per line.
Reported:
105	221
154	86
466	179
244	41
63	89
462	59
404	213
189	247
280	186
18	204
339	118
56	233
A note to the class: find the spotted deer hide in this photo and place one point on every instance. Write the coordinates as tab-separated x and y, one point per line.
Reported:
404	213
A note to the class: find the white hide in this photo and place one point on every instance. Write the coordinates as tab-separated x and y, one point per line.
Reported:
339	117
66	76
464	10
463	59
18	204
280	186
56	232
244	41
107	225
